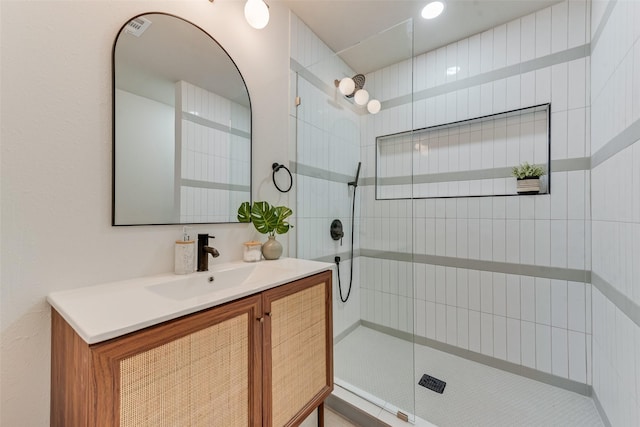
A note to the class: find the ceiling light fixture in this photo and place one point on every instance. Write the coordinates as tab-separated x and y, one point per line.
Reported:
256	12
352	87
432	10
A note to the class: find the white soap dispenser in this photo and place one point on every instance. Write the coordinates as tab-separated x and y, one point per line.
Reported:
185	252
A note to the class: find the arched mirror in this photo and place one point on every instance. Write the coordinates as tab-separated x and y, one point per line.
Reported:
181	126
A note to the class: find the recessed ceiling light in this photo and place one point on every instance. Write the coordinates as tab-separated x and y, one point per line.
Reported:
432	10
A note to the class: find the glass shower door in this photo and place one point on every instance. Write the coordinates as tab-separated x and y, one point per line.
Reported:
335	170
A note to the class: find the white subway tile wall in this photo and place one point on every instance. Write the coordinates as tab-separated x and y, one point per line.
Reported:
615	199
327	153
211	155
532	321
537	322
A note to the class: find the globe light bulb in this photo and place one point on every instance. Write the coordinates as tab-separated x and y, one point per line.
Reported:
346	86
256	12
361	97
374	106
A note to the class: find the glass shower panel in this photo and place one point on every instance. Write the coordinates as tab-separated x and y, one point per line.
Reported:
336	139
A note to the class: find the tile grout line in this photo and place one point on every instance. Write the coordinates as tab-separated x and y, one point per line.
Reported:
603	22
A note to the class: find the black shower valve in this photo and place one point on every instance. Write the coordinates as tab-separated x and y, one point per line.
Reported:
336	230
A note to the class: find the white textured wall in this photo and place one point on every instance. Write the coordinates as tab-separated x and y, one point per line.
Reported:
56	165
534	321
615	117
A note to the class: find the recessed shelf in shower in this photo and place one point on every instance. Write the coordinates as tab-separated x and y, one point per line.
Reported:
467	158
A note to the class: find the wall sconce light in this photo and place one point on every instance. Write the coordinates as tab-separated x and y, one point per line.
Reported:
348	86
256	12
352	87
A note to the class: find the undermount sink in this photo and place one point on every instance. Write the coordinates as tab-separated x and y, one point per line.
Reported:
203	283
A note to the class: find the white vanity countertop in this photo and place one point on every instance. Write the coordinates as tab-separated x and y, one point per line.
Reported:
102	312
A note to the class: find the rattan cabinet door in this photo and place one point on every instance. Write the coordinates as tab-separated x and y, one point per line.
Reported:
200	370
298	349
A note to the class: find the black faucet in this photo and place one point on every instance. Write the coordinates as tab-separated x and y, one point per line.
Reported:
204	250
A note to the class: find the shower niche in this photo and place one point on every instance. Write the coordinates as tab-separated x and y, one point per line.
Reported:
468	158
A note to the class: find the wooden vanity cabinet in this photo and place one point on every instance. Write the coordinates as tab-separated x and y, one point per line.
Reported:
201	370
298	349
264	360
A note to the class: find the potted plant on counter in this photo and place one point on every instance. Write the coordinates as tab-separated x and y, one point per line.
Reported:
267	219
528	178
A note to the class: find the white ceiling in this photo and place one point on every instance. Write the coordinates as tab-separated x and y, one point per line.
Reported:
171	50
342	24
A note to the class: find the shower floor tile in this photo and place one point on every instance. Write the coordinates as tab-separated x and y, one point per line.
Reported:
475	394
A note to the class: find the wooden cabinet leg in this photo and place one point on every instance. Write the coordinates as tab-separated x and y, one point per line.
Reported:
321	415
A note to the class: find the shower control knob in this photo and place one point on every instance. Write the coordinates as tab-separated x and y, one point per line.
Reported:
336	230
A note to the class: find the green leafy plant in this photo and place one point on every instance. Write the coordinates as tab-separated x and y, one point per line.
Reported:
525	170
266	219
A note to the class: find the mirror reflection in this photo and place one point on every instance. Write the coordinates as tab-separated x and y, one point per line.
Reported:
182	126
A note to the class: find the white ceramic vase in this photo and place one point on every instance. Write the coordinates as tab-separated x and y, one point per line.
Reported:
271	249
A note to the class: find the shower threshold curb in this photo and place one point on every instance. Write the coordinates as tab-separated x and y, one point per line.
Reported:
363	413
352	412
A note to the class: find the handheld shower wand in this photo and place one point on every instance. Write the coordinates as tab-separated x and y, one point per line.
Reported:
353	183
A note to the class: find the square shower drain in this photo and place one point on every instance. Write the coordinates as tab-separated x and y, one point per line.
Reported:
432	383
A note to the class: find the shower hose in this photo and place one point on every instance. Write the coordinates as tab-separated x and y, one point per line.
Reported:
353	212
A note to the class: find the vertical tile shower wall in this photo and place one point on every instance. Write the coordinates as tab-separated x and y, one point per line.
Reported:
615	144
507	277
386	228
215	145
326	131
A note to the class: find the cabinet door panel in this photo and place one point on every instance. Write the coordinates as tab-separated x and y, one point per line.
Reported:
196	371
298	347
201	379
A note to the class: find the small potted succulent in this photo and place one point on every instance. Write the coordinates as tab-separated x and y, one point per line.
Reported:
528	178
269	220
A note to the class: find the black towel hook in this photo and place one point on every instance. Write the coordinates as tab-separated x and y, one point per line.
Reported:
276	167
